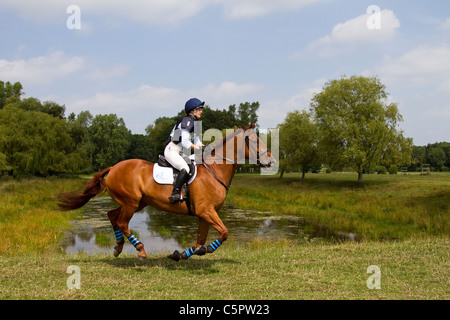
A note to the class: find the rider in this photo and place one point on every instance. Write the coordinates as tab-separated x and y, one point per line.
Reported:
180	138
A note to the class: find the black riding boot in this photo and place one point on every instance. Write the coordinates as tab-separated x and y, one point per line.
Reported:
176	193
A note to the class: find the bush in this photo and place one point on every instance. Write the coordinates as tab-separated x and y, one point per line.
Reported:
393	169
380	170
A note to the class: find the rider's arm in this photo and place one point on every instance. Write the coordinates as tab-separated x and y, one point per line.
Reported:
186	140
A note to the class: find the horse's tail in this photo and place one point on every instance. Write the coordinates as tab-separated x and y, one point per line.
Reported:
77	199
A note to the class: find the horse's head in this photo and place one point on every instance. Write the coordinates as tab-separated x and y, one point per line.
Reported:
255	149
237	147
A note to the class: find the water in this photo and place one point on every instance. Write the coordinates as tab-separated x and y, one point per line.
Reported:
162	232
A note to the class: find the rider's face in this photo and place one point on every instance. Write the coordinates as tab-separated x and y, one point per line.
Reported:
198	113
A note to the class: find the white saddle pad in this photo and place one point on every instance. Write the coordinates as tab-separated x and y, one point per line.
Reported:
164	175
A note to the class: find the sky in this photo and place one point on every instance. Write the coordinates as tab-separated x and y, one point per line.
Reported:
144	59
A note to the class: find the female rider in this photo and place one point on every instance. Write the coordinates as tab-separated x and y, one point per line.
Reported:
180	138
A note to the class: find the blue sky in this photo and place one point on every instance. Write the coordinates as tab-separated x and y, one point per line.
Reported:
144	59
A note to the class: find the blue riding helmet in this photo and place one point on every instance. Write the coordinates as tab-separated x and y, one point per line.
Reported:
192	104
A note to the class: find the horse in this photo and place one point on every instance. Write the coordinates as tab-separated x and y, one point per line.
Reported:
131	185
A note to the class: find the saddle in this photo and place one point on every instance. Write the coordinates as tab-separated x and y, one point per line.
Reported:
164	173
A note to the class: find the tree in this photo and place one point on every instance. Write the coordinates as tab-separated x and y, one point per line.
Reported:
111	139
436	157
49	107
358	128
418	155
9	92
298	142
36	143
140	148
158	133
218	119
246	113
78	128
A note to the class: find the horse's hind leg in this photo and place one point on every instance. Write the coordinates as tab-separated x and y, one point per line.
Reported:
122	222
113	215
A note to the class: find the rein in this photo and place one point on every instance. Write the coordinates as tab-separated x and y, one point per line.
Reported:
220	181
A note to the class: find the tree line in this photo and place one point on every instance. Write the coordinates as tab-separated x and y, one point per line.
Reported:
350	125
36	138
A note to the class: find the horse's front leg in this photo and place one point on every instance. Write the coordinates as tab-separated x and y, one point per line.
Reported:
205	221
198	249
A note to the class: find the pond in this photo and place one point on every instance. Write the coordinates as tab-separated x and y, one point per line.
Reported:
162	232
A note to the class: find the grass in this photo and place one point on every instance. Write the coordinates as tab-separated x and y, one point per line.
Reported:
29	221
259	270
414	209
383	207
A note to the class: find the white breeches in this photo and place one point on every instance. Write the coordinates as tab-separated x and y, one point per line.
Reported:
173	153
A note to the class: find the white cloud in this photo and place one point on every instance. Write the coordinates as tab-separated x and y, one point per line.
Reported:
106	74
151	12
354	32
421	77
238	9
426	65
273	111
445	25
227	93
41	70
141	106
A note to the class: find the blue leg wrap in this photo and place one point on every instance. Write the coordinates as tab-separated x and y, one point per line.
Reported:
134	241
213	246
187	253
119	236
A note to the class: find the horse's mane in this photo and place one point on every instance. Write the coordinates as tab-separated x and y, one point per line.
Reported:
218	142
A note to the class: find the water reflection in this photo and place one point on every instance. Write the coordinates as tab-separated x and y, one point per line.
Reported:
165	232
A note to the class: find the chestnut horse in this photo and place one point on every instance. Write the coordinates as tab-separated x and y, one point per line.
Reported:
130	183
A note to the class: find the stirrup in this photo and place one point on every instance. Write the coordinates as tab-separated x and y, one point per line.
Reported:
177	197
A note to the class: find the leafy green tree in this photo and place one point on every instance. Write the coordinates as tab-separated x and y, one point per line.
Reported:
358	127
247	113
111	140
140	148
218	119
36	143
78	128
418	155
49	107
158	133
9	92
436	157
298	142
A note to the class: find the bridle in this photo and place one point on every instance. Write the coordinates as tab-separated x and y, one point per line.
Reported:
233	162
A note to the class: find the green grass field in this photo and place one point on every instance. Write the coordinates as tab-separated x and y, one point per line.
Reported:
384	207
403	221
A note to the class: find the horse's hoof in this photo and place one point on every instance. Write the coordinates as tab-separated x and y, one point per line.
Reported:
200	251
142	259
176	256
116	252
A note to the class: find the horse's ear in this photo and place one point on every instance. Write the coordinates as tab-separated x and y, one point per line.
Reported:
251	126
